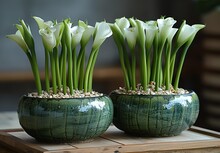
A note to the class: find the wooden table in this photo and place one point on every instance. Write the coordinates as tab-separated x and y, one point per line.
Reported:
194	140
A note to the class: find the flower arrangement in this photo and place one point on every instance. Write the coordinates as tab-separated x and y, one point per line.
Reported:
65	51
155	44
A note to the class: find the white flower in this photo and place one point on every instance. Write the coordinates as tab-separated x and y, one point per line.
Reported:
89	30
150	30
26	34
48	38
47	32
171	34
102	32
164	27
141	32
18	38
67	32
184	33
77	33
187	32
197	27
131	36
122	23
58	32
42	24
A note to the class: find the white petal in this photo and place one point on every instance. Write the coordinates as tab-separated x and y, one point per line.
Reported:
171	34
131	36
103	31
89	30
123	23
77	33
150	29
17	37
185	33
164	27
48	38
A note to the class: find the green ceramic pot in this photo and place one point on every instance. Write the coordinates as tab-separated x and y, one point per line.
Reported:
65	120
155	115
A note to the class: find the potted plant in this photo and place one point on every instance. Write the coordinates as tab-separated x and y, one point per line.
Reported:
67	109
156	106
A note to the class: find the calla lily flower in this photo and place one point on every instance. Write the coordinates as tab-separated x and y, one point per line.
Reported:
131	36
150	32
67	32
122	23
184	33
42	24
47	32
132	22
141	32
48	38
196	27
18	38
56	28
117	33
82	24
77	33
89	30
26	33
171	34
102	32
164	27
58	32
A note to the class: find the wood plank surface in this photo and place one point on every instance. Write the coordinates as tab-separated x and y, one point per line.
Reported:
116	141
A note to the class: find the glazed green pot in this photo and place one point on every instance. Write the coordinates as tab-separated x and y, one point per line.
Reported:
65	120
155	115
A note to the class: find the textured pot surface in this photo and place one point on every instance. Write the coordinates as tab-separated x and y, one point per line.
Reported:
65	120
155	115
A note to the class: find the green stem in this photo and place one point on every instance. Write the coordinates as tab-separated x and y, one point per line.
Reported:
127	64
70	70
143	64
124	69
75	74
155	54
87	72
180	66
35	71
172	66
47	75
58	77
148	68
143	68
80	64
172	62
61	65
64	69
133	69
80	68
91	71
158	73
167	67
185	49
154	67
53	73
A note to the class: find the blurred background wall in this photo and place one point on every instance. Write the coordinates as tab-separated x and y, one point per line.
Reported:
15	79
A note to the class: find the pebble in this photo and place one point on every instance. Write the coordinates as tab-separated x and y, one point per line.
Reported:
60	94
151	90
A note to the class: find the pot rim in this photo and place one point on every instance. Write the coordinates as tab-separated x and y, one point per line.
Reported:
103	95
190	92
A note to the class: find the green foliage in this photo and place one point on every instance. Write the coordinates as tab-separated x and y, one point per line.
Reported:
158	43
64	63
